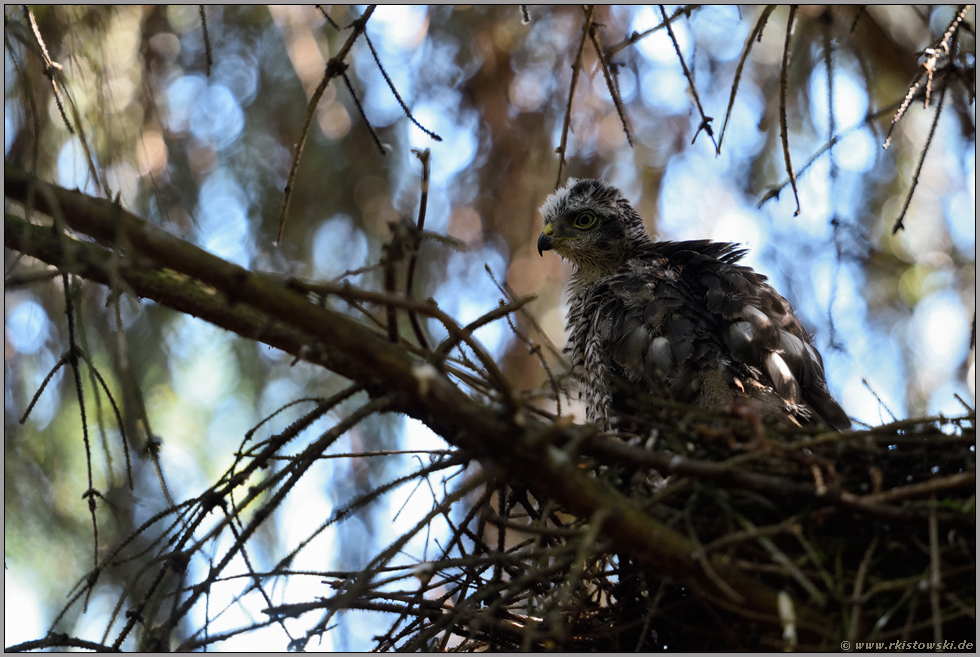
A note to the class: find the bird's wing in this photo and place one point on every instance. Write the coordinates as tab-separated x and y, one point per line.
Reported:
683	310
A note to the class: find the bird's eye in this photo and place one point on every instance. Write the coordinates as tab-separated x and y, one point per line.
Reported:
585	220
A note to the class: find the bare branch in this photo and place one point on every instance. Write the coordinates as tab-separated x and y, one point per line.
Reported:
576	69
705	120
753	37
775	190
360	110
611	83
497	313
52	71
533	348
335	67
935	575
44	384
326	16
685	10
50	67
858	593
391	85
862	10
783	84
424	157
900	222
55	641
207	40
929	68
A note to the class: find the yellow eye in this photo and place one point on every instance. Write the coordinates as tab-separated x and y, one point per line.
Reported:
585	220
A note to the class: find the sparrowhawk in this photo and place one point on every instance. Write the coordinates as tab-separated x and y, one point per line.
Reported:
675	320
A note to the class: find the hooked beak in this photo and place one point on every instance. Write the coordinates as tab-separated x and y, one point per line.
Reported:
546	242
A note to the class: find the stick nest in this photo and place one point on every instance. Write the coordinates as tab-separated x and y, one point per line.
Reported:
864	536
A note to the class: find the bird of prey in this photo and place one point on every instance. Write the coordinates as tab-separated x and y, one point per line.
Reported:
675	320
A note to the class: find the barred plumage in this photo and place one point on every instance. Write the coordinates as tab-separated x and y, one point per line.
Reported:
675	320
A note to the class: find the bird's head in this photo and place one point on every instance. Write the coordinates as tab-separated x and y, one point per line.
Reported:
589	223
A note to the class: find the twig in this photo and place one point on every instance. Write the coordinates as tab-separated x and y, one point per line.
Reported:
533	348
880	401
588	545
782	559
506	290
963	401
783	84
611	83
700	556
363	579
828	59
705	120
685	10
360	110
788	526
50	66
303	462
857	17
774	191
576	69
501	538
394	251
391	85
928	487
536	350
44	384
424	157
335	66
250	570
827	23
935	574
356	272
73	351
906	102
51	71
900	222
429	310
322	404
814	556
929	69
58	640
115	410
207	40
973	330
501	311
89	159
857	596
332	22
756	34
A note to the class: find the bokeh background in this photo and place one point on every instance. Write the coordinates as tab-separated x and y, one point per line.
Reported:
206	156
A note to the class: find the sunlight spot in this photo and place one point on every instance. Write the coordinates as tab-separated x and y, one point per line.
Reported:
27	326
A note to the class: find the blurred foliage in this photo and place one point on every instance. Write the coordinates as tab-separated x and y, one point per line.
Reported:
205	153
